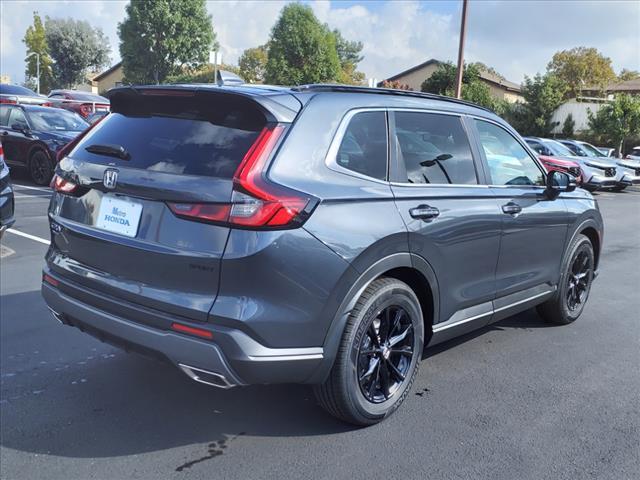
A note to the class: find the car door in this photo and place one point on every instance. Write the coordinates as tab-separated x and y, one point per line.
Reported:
453	220
534	226
15	142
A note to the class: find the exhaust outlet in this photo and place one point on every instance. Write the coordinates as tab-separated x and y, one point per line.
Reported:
205	376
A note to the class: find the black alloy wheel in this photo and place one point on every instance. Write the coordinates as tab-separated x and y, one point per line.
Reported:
385	354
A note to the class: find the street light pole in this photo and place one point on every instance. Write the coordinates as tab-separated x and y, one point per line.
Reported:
37	68
463	28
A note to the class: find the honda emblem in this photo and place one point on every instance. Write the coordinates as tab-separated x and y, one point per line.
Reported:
110	179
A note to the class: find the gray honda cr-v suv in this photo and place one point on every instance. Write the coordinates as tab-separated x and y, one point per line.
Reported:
318	234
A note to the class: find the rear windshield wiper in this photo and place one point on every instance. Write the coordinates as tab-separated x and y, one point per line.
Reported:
110	150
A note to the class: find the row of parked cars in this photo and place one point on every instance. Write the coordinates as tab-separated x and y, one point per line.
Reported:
589	164
34	128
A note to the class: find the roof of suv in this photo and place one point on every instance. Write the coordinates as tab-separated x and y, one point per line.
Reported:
258	90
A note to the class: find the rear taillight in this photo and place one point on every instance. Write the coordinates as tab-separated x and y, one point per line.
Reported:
10	100
62	185
255	202
47	104
85	109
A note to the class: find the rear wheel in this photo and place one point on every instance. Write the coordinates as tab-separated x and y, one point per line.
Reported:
40	167
575	284
378	357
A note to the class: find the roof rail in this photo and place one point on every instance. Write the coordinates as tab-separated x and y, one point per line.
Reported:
328	87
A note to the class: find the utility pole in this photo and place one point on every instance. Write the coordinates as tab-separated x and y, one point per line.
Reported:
37	68
463	28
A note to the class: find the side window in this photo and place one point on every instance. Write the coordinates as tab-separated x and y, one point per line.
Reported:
434	149
16	116
364	145
4	115
536	147
509	163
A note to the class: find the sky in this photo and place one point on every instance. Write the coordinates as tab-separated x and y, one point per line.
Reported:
516	37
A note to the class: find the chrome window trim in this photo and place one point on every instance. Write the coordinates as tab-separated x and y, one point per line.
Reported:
331	157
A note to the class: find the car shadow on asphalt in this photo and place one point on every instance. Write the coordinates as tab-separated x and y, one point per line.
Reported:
120	404
125	404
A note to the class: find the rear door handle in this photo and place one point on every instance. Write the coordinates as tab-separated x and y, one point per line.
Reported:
511	208
424	212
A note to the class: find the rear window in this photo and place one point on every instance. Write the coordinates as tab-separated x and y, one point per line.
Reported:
196	135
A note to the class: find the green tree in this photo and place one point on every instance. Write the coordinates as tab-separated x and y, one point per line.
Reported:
627	74
349	54
159	38
301	49
618	120
568	126
443	81
581	68
36	42
543	94
76	48
253	63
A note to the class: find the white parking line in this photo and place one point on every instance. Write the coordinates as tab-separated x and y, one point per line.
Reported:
29	187
22	195
29	236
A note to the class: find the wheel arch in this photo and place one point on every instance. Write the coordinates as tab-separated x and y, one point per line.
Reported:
409	268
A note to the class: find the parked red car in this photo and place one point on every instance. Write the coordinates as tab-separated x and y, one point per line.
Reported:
567	166
82	103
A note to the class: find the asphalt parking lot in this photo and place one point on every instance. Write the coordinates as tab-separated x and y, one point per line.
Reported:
517	400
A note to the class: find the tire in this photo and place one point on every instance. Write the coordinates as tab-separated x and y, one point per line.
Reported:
40	167
349	393
573	290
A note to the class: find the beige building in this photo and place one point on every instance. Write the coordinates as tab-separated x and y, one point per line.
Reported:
101	82
500	88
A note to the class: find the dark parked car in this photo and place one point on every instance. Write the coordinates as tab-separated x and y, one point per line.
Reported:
317	234
82	103
32	136
7	216
14	94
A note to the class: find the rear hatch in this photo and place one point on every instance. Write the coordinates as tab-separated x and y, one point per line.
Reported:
139	197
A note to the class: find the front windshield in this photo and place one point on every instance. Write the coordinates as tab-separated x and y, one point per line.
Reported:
56	120
558	149
591	150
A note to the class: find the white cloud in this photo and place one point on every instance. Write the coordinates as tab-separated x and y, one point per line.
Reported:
516	38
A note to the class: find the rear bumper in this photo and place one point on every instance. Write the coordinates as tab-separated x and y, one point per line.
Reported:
231	359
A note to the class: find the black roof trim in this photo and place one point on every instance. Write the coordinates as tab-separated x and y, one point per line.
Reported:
321	87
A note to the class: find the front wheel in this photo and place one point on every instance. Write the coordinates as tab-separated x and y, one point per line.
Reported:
568	303
40	168
378	357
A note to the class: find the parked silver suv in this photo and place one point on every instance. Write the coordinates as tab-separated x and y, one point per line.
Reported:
319	234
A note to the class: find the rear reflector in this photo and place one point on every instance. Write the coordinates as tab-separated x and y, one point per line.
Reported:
198	332
50	280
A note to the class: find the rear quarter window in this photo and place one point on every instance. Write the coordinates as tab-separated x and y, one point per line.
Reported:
190	136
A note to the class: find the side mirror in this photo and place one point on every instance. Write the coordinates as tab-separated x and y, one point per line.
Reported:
558	182
19	128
